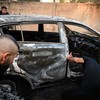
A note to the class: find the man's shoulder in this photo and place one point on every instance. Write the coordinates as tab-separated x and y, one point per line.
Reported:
7	13
0	12
3	14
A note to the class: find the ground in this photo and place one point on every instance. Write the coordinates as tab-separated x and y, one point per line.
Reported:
52	92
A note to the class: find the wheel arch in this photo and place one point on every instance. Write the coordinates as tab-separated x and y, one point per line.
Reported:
16	77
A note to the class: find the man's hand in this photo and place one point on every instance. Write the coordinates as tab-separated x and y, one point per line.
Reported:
70	57
75	59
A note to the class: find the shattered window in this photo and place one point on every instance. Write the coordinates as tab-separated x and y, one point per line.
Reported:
80	30
34	32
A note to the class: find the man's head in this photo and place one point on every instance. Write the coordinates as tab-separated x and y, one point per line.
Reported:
8	51
4	10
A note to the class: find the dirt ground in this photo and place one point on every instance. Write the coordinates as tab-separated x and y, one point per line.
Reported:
52	92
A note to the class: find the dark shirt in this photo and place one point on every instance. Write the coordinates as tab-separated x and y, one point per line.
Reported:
4	14
90	87
91	79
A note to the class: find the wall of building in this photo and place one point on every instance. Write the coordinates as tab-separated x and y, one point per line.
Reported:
86	13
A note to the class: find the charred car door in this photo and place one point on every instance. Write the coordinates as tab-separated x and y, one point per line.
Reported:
43	51
83	41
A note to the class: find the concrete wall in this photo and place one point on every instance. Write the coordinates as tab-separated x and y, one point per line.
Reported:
86	13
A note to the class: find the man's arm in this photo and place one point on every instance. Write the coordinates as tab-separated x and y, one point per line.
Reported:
75	59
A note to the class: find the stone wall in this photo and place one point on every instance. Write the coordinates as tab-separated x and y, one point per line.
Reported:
86	13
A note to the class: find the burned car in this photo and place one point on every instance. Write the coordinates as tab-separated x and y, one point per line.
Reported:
45	42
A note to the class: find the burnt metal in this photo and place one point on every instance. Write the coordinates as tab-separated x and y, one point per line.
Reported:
43	62
6	92
83	45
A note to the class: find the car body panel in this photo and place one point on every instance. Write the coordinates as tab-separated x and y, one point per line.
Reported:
43	61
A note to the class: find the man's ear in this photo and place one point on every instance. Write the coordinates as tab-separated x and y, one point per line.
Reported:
4	57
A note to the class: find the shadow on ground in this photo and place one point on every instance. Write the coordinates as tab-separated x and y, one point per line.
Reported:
51	93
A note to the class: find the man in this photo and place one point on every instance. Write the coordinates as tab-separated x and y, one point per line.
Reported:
4	11
90	86
8	51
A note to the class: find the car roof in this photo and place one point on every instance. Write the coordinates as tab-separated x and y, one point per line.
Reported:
28	18
18	19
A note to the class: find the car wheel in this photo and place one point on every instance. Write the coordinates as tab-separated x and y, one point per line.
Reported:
8	91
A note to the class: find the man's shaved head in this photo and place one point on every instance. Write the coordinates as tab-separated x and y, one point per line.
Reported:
8	43
8	51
